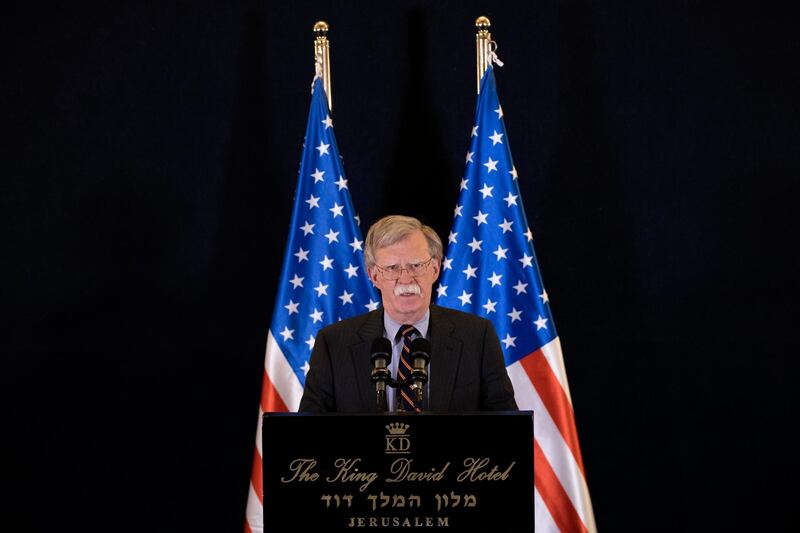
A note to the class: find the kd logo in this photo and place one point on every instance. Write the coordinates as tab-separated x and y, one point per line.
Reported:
396	444
397	438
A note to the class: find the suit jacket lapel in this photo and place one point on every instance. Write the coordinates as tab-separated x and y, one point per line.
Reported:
445	355
360	354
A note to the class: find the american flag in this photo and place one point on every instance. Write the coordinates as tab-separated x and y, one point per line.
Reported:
322	280
490	269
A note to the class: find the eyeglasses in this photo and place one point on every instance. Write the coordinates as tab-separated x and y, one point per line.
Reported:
393	272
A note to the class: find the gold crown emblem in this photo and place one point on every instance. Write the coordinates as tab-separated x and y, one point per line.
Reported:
397	428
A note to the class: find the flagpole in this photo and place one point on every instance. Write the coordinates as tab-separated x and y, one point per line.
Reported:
322	57
482	43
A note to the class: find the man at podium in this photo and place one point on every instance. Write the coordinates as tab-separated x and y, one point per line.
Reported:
466	371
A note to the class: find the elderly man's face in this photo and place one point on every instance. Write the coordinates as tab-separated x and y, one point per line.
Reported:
408	297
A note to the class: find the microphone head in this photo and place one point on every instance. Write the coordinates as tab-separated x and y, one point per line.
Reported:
381	348
421	347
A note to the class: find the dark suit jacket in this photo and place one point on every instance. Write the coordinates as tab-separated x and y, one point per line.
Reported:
467	368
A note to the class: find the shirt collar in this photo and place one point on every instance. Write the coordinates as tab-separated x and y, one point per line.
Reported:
391	327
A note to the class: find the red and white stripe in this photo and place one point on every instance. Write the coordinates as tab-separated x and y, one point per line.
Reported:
281	392
562	502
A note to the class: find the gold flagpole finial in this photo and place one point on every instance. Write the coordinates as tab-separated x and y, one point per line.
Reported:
322	57
482	46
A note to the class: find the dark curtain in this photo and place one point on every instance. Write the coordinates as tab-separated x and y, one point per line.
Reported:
148	159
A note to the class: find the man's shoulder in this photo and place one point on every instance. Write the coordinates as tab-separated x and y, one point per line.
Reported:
353	324
371	322
458	317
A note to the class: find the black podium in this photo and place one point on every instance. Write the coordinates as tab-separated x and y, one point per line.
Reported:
462	472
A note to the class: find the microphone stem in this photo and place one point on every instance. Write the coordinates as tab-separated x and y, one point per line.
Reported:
382	399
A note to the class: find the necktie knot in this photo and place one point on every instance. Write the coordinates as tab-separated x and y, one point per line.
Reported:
407	331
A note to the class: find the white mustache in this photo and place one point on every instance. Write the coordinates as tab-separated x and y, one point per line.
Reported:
402	290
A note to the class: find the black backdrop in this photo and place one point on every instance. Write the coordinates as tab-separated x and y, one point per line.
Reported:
149	155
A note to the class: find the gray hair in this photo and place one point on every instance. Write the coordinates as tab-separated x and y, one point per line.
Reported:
394	228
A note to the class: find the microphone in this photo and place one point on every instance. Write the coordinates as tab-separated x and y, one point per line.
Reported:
381	355
421	354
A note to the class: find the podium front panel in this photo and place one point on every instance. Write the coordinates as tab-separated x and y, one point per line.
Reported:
456	472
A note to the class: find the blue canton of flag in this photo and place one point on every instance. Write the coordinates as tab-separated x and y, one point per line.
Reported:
323	278
490	267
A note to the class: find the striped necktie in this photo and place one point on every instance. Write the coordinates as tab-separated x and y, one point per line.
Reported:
406	397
